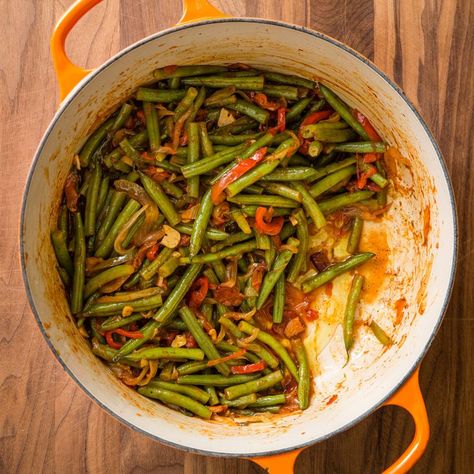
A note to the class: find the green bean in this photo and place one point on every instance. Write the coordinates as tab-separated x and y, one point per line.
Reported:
335	270
224	253
211	162
171	189
295	111
279	300
206	142
291	174
331	180
108	354
304	376
152	126
270	255
288	92
232	239
106	277
154	95
326	159
107	244
174	82
114	156
63	222
177	399
269	401
233	139
241	402
168	72
155	191
216	82
192	367
118	322
213	398
185	103
93	142
201	223
193	156
151	269
203	340
104	192
287	231
211	234
298	263
250	211
77	293
257	349
267	381
288	79
64	275
315	149
282	190
253	189
261	169
91	201
354	237
350	311
122	117
251	110
377	178
274	344
153	353
263	200
60	249
311	206
276	272
380	334
193	392
343	111
263	241
241	221
333	167
215	380
168	267
197	104
110	309
361	147
346	199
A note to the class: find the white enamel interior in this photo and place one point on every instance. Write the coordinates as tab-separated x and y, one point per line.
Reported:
372	375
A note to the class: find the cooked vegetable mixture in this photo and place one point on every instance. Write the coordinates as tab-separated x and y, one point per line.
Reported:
184	236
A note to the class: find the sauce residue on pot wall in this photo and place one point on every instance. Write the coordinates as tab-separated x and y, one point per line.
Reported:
374	270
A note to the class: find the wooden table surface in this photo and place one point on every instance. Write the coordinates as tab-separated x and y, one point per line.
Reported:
47	424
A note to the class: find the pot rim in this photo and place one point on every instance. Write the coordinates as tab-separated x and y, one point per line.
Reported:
90	77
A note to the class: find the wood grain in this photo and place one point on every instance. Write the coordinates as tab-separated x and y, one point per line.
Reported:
47	424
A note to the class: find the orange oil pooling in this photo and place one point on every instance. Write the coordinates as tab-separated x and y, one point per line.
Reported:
375	269
400	305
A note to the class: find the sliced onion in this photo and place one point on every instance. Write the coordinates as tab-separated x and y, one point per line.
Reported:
162	111
231	274
136	192
240	316
190	213
152	369
124	231
95	264
179	126
221	335
135	380
248	340
114	285
130	295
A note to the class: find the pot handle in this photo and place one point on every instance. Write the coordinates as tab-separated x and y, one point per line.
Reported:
410	398
68	73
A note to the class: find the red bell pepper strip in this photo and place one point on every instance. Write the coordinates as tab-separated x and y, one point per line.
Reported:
365	175
249	368
234	173
262	100
129	334
264	222
281	121
110	340
152	252
234	355
369	129
198	292
371	157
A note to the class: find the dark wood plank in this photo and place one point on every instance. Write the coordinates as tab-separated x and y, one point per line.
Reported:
46	422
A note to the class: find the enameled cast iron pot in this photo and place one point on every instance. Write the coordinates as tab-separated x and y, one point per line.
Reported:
420	229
